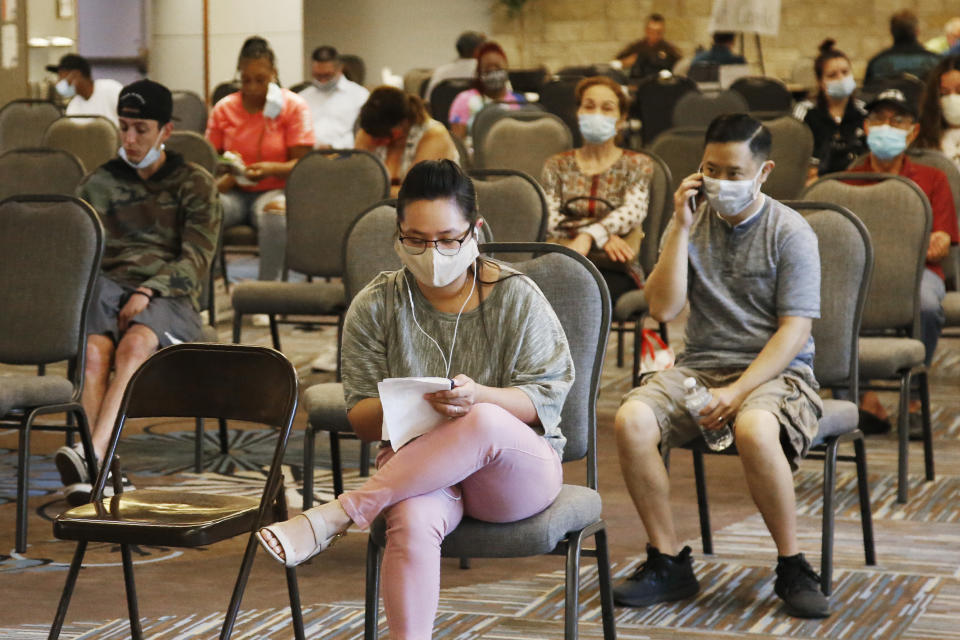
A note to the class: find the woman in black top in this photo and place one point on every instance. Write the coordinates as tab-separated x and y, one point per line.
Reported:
836	118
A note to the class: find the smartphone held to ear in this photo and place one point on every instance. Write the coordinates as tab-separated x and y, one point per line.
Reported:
697	198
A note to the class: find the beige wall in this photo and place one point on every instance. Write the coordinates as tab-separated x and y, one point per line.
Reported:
565	32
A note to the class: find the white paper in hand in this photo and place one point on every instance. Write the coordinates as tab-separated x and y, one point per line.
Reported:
406	413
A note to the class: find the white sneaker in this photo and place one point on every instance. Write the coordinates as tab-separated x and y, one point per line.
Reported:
260	320
71	464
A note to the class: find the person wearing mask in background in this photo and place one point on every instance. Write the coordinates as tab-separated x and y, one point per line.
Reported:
891	127
87	97
161	217
396	127
940	110
750	269
652	53
465	66
835	117
333	100
950	38
270	129
604	228
491	84
721	52
906	55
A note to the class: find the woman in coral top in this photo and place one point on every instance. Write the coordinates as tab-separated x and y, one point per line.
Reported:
269	128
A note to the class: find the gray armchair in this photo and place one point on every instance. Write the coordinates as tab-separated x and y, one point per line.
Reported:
92	139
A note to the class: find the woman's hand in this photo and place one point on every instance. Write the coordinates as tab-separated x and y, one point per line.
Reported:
456	402
618	249
261	170
581	243
226	182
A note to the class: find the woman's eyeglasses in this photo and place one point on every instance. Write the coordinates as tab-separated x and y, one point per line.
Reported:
444	246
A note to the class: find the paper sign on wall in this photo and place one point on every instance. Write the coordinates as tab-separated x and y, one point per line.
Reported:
9	46
747	16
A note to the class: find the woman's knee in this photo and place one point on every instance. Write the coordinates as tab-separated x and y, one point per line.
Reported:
423	520
486	421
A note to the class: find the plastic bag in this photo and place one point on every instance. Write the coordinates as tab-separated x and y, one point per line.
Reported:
655	354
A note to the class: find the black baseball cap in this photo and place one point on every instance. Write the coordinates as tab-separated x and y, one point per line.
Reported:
893	98
71	62
147	100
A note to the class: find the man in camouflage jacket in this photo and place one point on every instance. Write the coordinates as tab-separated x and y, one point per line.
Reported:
162	219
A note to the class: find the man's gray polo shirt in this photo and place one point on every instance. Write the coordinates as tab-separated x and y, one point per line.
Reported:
742	279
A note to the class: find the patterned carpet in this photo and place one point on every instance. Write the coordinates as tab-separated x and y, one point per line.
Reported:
912	594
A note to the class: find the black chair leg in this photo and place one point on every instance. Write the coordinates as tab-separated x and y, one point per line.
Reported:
637	344
364	459
464	563
866	515
371	613
706	536
927	427
198	447
68	586
295	611
621	327
86	440
309	442
234	607
275	332
826	541
237	324
135	631
605	584
23	479
572	596
336	464
224	436
903	435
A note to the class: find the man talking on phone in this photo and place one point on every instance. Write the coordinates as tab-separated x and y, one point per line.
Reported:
750	269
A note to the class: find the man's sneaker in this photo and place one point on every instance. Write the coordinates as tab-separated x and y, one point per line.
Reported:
71	464
661	578
798	586
79	493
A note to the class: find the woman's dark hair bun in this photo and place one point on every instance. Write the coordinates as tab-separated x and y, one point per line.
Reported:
827	45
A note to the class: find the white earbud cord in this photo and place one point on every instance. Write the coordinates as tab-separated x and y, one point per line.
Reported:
446	362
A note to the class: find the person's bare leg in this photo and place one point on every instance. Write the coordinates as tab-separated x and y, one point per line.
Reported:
638	437
768	476
136	345
96	373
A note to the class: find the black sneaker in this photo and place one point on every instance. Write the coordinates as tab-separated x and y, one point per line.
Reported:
79	493
798	586
71	464
661	578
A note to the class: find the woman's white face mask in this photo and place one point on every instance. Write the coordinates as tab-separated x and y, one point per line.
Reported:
435	269
730	197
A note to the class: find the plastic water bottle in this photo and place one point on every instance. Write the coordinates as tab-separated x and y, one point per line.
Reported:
696	398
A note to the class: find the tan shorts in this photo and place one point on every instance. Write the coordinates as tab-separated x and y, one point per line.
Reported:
792	401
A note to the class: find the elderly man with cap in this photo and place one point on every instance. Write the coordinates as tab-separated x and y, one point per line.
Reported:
88	97
162	218
891	127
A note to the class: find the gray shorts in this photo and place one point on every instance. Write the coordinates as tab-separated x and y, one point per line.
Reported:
173	320
792	401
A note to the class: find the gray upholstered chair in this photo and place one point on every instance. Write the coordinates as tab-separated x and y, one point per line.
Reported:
898	216
524	145
44	318
39	171
698	109
632	306
846	258
93	139
194	148
763	93
790	150
580	299
490	114
22	123
513	203
189	112
681	148
326	191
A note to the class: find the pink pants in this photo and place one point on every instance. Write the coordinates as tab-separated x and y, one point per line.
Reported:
488	465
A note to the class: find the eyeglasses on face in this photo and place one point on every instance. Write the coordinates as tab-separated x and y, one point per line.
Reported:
900	121
444	246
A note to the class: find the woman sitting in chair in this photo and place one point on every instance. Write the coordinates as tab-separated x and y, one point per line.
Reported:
395	127
496	458
491	85
598	194
940	110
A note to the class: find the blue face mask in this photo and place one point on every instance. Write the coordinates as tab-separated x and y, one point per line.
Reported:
596	127
152	156
842	88
886	142
65	89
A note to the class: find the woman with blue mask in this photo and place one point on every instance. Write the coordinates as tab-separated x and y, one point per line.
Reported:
598	194
835	116
940	110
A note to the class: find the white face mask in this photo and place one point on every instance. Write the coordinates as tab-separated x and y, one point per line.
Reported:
435	269
730	197
274	104
951	109
327	86
151	156
65	89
